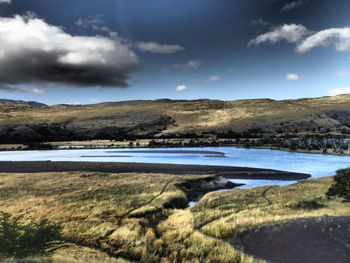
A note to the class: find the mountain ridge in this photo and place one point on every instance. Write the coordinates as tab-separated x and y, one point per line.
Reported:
20	102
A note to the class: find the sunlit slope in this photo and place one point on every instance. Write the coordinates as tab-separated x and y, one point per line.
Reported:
326	114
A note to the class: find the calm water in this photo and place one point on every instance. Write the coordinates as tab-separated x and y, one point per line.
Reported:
315	164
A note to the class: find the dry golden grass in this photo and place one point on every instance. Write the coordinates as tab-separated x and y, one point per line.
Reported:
190	116
224	214
121	217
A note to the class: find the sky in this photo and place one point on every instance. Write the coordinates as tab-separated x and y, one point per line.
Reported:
91	51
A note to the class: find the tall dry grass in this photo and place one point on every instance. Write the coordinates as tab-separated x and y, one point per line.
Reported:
127	218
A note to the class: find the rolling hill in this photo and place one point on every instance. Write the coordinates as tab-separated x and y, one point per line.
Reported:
31	122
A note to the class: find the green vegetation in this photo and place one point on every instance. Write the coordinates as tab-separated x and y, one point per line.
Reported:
341	186
140	217
21	240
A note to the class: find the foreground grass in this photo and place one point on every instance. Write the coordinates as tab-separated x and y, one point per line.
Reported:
227	214
134	217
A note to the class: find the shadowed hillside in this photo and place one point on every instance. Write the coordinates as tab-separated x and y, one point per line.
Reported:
149	119
20	102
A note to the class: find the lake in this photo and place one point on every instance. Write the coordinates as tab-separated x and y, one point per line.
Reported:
318	165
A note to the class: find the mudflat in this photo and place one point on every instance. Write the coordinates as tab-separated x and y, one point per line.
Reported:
171	152
227	172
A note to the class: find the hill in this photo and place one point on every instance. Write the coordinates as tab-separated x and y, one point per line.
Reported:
175	118
20	102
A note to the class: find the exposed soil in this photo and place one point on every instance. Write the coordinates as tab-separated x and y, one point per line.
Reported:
320	240
227	172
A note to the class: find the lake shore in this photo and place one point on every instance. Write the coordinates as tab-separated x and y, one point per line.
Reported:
145	143
227	172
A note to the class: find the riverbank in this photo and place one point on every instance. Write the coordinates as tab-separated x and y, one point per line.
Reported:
227	172
142	217
174	143
198	142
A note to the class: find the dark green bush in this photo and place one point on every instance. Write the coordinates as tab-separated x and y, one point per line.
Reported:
308	205
341	185
21	240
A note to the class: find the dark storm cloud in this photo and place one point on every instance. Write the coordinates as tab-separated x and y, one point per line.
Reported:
34	52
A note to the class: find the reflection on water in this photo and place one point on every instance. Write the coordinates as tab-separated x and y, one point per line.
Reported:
317	165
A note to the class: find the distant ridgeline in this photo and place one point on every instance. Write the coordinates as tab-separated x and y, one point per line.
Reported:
310	124
20	102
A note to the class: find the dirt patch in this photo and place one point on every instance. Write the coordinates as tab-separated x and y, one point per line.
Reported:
228	172
320	240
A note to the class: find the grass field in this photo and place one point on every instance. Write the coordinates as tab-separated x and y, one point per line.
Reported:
137	217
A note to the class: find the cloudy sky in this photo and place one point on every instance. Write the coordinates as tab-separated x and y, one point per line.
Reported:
89	51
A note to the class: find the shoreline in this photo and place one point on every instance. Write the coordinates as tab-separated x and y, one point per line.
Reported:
14	147
291	151
228	172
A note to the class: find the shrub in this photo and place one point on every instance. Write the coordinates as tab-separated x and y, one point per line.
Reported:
21	240
341	185
308	205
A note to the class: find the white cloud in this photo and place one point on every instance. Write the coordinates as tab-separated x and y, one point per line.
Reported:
306	40
293	77
259	21
339	91
181	88
88	22
292	5
209	79
340	37
34	52
96	23
32	90
5	1
192	64
154	47
291	33
4	88
342	73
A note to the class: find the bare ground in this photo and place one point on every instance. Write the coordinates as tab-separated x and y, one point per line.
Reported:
320	240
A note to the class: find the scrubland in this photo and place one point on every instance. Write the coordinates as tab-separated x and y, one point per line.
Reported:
143	217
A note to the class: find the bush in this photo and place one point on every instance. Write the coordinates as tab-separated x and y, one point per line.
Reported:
308	205
20	240
341	185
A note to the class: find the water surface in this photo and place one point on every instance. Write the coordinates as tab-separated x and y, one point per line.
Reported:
318	165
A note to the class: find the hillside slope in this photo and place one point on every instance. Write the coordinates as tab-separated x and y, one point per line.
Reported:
20	102
118	120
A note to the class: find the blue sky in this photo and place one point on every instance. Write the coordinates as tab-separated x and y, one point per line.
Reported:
88	51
